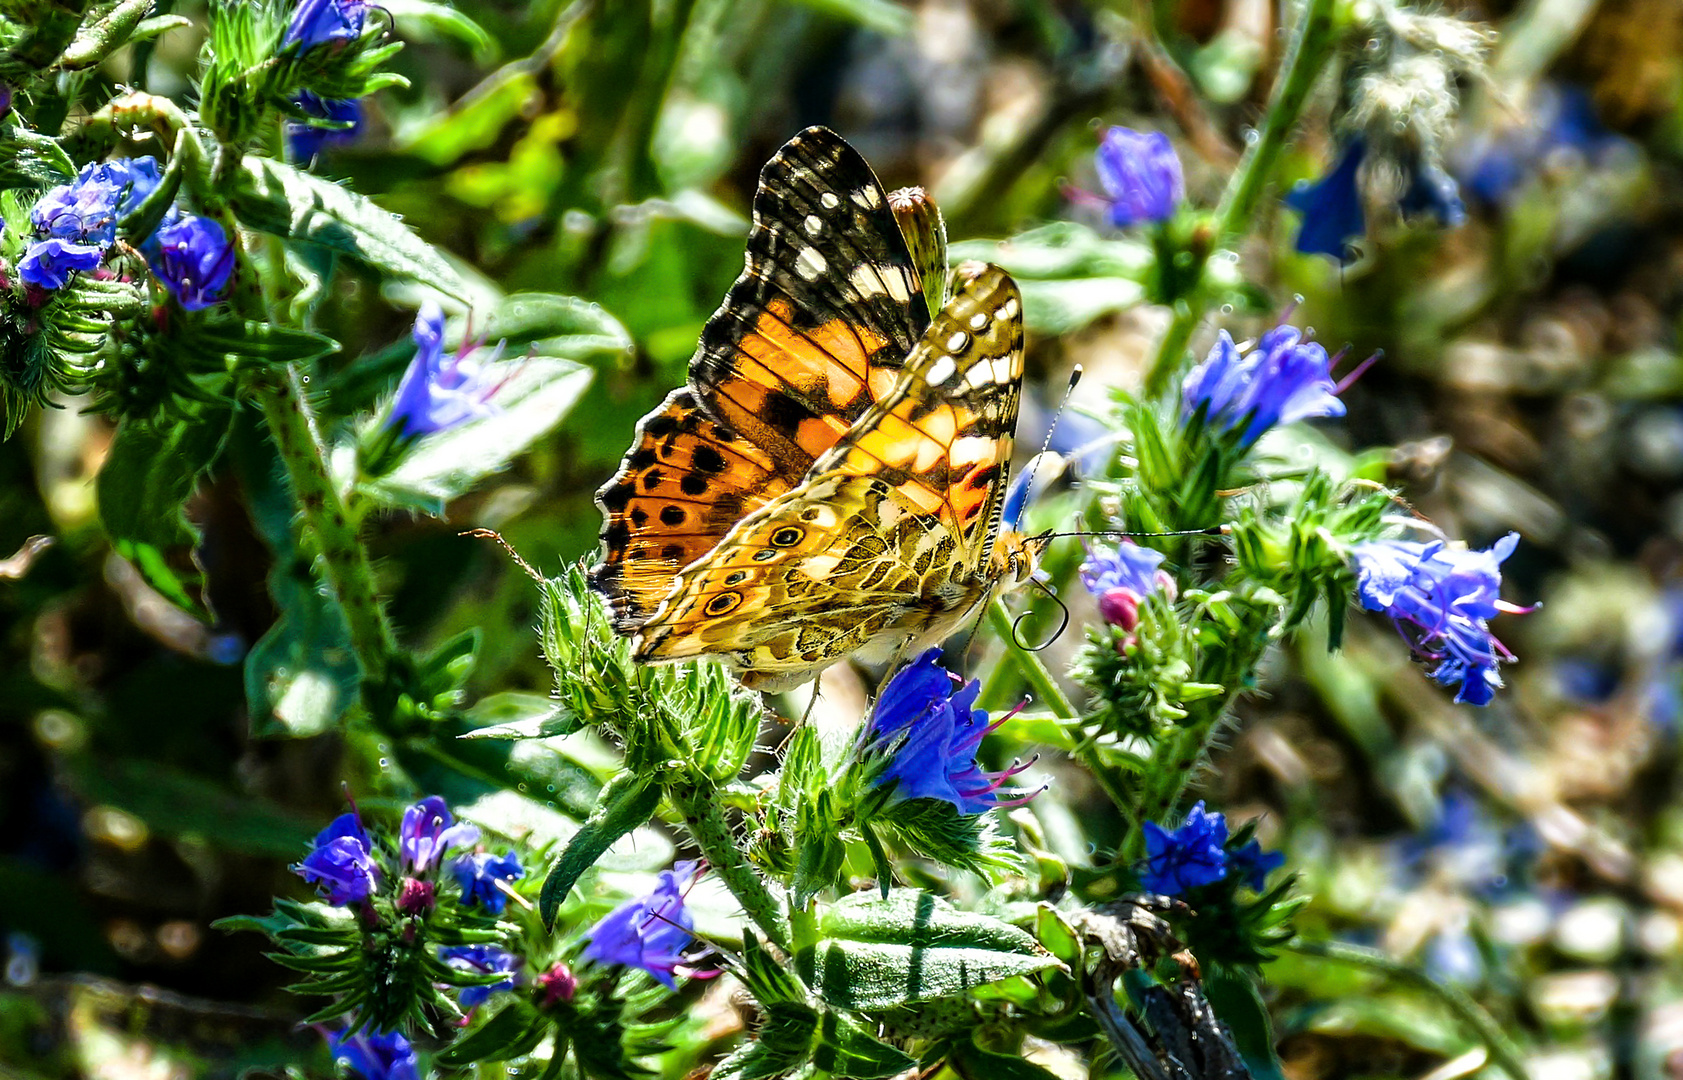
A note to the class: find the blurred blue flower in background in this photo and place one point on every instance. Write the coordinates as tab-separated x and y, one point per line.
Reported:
926	723
1141	176
1433	192
439	392
317	22
1191	856
1280	381
481	960
193	258
375	1055
1559	122
428	831
343	860
1441	599
1252	865
1332	207
650	932
478	874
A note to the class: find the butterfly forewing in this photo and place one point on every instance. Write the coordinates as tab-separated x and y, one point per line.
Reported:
829	297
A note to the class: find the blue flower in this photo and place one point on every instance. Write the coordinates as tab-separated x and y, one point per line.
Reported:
1121	577
317	22
1562	121
428	831
1441	599
305	141
1190	856
1253	865
1141	175
86	210
650	932
927	728
1332	207
49	263
1280	381
478	875
439	392
376	1055
481	960
192	256
343	860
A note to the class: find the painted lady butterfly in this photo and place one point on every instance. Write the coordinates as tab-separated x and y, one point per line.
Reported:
830	480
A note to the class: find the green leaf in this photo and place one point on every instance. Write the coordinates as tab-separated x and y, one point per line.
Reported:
29	160
913	946
275	198
1234	997
149	473
627	802
516	715
847	1050
441	19
510	1033
974	1063
768	980
438	468
1069	274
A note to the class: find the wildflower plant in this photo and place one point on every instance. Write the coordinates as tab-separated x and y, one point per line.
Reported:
884	891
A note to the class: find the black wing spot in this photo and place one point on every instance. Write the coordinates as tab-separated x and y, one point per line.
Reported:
671	515
788	536
616	535
639	517
652	479
672	552
692	484
641	458
736	577
707	460
765	554
658	427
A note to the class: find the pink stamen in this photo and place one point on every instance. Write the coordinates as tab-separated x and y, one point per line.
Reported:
1357	372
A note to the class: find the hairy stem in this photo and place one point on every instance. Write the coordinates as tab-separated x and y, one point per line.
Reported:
1044	687
1484	1027
349	574
1310	48
703	812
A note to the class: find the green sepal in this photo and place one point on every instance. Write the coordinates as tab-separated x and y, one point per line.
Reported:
512	1032
973	1062
627	802
847	1050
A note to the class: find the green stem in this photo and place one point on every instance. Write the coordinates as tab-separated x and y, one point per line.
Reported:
1040	681
1502	1049
705	815
1310	49
349	574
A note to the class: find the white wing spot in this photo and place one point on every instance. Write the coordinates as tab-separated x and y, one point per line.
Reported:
809	264
942	370
978	320
1008	309
868	198
829	200
814	224
958	341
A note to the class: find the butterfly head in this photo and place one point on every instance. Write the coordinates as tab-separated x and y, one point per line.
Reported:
1016	557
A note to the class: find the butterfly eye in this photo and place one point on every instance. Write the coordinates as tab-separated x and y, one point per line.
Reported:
787	537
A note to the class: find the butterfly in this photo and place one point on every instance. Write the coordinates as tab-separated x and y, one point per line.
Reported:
829	481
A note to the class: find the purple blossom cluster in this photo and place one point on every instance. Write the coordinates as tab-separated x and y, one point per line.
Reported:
927	728
375	1055
1121	578
76	224
1141	176
1196	854
1441	599
346	864
1282	380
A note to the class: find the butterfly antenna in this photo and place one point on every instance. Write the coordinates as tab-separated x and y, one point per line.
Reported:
1063	624
1213	530
1033	471
492	534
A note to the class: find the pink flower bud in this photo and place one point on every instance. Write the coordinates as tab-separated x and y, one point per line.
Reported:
1120	607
